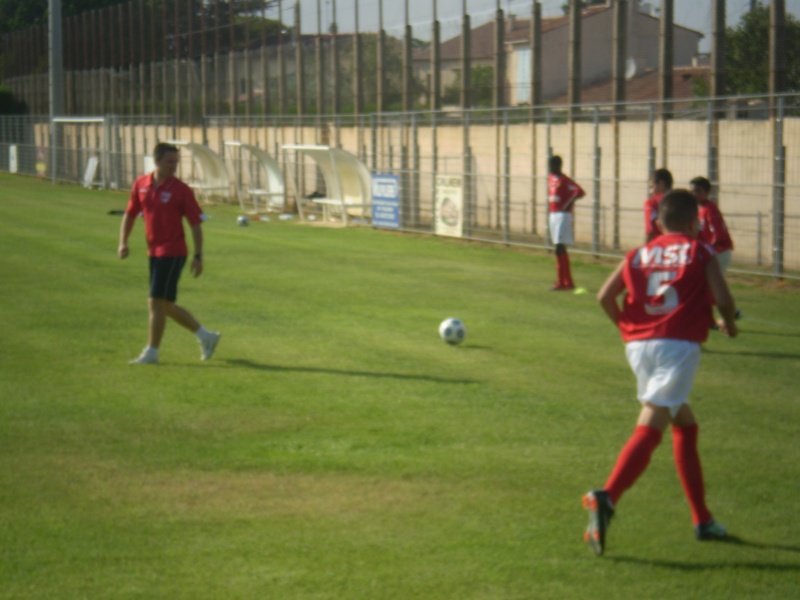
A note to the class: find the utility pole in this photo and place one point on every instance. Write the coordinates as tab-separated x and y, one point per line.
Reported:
56	77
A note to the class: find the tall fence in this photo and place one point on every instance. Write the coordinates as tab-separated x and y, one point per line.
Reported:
193	58
500	156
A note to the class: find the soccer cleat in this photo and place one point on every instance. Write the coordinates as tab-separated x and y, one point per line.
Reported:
600	510
737	315
710	531
209	344
147	357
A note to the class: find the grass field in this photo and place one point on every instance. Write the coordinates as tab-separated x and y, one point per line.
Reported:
335	448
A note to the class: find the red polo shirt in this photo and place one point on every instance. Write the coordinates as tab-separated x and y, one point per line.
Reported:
163	208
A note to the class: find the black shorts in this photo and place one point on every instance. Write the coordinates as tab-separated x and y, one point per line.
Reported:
165	271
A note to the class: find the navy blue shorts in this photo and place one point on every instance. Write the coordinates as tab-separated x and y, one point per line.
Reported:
165	271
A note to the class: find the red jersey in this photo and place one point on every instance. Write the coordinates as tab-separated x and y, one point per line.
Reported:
163	208
651	227
713	230
562	192
667	293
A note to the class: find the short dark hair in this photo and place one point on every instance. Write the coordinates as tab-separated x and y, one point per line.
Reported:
555	163
163	148
677	210
664	176
702	183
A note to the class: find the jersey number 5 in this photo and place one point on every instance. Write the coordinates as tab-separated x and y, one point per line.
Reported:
662	298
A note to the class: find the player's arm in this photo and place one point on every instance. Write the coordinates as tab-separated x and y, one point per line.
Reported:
128	221
124	233
722	297
197	260
578	193
607	296
651	225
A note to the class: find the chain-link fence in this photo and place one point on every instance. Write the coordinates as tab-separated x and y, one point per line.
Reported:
499	156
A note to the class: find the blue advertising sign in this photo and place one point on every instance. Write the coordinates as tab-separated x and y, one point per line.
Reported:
386	201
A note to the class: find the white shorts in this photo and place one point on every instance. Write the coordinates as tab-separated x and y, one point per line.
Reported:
664	370
724	259
561	227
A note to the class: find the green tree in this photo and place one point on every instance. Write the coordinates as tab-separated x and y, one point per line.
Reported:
747	53
16	14
9	104
482	83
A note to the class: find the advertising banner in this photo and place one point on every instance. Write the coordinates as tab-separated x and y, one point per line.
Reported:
386	201
449	206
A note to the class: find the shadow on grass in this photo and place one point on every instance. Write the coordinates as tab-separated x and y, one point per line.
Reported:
249	364
772	333
731	540
780	355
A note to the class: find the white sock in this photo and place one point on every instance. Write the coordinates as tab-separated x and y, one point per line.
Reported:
150	349
201	333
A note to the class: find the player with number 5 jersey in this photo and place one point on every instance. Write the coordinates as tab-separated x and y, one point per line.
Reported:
668	288
668	296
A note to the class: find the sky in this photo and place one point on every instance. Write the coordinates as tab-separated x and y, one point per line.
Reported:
694	14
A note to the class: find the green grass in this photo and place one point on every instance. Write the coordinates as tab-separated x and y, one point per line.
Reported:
335	448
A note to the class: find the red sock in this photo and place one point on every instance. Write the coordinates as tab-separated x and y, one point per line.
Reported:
632	460
563	270
559	271
687	460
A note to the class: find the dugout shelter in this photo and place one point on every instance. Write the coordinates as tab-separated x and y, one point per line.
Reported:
342	183
209	178
258	178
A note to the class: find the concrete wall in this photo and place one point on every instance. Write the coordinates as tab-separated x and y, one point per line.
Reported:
745	170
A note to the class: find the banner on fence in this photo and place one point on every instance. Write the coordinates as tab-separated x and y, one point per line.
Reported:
386	201
449	206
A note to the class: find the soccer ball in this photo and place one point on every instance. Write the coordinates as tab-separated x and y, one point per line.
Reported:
243	221
453	331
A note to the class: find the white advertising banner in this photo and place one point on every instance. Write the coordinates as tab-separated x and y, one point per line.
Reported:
449	205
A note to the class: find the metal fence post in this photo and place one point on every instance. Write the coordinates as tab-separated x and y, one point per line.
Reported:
651	148
434	167
467	185
759	236
549	147
506	181
415	168
374	132
778	195
596	195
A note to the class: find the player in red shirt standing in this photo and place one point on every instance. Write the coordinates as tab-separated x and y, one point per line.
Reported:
713	230
164	201
669	287
660	183
562	193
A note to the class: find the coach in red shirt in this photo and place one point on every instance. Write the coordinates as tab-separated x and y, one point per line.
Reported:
164	201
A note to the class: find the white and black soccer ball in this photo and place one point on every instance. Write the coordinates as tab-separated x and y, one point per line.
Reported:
453	331
243	221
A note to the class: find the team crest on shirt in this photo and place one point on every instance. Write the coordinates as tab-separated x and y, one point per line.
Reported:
165	196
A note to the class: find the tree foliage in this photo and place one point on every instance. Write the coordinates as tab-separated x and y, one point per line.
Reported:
16	15
747	53
481	83
20	14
